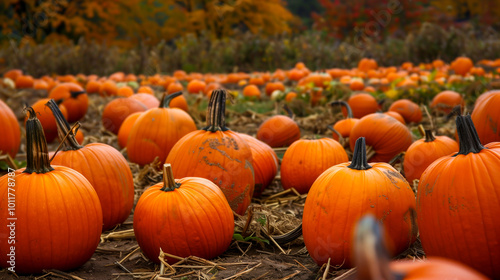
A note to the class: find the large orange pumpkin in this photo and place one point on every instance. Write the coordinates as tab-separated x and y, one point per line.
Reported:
279	131
58	218
408	109
306	159
11	138
372	260
265	163
184	217
486	116
74	98
117	110
156	131
459	203
217	154
105	168
425	151
346	192
386	135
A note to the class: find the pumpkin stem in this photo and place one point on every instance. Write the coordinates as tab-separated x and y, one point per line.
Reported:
345	105
169	183
37	155
216	119
64	132
372	259
359	161
428	136
288	111
165	102
75	94
467	135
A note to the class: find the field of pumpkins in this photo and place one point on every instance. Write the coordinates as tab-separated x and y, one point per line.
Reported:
366	173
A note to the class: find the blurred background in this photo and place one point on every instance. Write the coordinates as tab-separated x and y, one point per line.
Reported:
153	36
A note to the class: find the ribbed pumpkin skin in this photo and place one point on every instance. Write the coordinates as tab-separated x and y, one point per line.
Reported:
265	163
77	107
486	117
155	132
221	157
421	154
109	173
278	131
435	268
341	196
125	129
118	110
409	110
458	207
58	224
46	118
384	133
147	99
194	219
11	136
306	159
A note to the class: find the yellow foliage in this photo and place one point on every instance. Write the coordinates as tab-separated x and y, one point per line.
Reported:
128	22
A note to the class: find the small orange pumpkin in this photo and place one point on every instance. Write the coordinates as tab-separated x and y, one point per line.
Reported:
408	109
74	99
279	131
362	104
117	110
446	100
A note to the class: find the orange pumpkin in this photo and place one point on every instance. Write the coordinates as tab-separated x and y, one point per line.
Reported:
409	110
217	154
166	211
174	87
279	131
251	91
459	203
117	110
11	138
124	91
306	159
47	119
146	89
270	87
93	87
372	260
196	86
486	116
74	99
179	102
425	151
125	128
386	135
108	88
25	82
343	127
446	100
156	131
362	104
342	194
13	74
367	64
51	195
290	96
461	65
265	163
396	115
150	101
103	166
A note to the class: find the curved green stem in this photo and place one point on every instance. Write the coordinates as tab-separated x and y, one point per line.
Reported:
37	155
165	102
